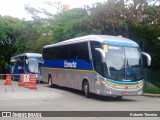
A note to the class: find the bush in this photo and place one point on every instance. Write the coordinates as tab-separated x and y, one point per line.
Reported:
152	90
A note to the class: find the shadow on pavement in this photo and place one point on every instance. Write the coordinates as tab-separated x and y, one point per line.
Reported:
94	96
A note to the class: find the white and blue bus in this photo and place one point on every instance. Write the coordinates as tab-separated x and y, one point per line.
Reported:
99	64
26	63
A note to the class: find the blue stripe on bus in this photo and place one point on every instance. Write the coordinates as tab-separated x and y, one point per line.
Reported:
121	43
36	57
80	64
121	82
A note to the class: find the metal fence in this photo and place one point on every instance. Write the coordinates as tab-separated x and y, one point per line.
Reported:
151	80
2	76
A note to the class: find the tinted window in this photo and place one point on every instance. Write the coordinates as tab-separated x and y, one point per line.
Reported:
97	62
72	51
47	53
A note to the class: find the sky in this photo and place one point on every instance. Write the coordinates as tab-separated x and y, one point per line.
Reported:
15	8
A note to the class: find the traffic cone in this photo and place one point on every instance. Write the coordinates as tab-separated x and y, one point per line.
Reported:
32	81
26	84
8	80
21	82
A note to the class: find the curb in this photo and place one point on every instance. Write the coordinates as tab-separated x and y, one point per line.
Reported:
151	95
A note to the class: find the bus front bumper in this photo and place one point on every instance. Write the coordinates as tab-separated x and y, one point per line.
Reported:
107	89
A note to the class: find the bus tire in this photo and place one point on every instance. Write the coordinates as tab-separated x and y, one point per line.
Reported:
50	81
86	89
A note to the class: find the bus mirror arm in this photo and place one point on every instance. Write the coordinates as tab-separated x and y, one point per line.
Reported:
148	58
26	61
102	54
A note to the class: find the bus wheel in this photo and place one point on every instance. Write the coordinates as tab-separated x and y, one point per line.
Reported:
50	81
86	89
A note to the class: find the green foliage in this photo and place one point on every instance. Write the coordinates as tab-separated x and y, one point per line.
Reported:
139	22
2	31
152	90
109	18
69	24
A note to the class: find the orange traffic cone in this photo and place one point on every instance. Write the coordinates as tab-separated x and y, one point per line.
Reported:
21	83
32	81
26	84
8	80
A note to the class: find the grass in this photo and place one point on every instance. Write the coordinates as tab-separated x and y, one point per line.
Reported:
152	90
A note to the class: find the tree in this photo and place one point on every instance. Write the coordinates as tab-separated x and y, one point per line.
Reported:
135	20
109	18
2	31
7	46
69	24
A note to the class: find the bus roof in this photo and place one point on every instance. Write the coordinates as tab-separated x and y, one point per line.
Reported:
31	55
108	39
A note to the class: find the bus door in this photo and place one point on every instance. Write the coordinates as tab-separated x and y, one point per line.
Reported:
97	64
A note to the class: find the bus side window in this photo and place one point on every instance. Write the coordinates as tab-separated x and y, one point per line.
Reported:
79	51
83	51
97	62
73	51
96	57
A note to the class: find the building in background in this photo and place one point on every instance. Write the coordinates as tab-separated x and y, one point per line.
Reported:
66	7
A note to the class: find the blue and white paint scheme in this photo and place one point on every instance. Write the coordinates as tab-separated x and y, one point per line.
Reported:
25	63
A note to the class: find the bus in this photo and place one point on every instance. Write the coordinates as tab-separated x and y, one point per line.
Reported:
25	63
99	64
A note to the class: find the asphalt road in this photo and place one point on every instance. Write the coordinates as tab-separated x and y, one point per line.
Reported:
15	98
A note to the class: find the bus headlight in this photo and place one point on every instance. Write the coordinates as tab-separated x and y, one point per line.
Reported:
108	92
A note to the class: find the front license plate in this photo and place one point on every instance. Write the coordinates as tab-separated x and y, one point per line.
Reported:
125	92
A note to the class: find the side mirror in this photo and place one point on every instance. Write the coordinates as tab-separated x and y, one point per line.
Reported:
26	61
40	61
102	53
148	58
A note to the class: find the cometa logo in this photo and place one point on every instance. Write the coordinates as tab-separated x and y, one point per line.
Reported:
70	64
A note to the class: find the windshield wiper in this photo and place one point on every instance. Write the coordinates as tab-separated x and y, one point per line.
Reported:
130	67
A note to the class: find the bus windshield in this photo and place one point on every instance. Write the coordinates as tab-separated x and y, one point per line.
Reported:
33	66
123	63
